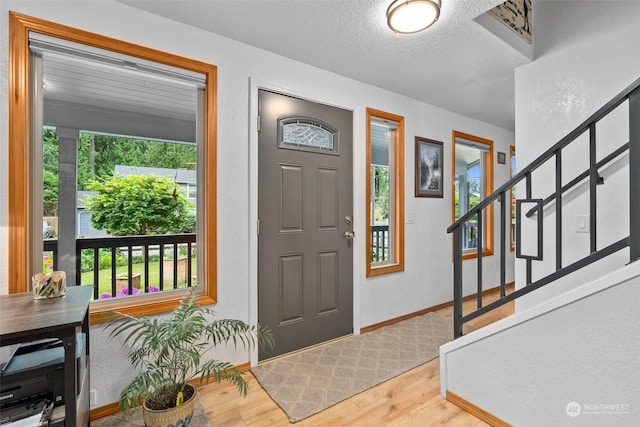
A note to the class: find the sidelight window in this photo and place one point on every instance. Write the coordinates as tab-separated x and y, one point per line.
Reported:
472	182
385	193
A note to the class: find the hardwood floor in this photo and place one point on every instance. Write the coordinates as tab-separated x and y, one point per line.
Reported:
411	399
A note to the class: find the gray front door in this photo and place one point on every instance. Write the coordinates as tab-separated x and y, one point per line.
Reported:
305	209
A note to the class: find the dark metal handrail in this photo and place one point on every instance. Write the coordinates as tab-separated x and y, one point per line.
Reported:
632	94
606	109
577	180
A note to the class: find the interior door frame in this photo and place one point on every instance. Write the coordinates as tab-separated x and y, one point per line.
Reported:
358	197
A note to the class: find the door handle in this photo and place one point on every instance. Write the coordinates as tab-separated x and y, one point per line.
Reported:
349	235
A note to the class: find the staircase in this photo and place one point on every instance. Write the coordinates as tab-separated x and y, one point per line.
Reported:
570	355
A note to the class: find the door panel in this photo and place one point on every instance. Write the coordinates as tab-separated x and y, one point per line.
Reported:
305	278
329	282
291	291
290	196
328	202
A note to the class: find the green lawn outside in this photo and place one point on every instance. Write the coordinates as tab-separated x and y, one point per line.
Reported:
104	276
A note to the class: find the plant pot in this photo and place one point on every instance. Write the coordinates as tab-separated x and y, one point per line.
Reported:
167	271
180	416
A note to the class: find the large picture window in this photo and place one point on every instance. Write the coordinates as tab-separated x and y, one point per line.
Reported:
385	193
92	115
472	182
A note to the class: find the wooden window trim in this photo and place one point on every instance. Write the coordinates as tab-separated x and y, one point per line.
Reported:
487	250
19	154
398	223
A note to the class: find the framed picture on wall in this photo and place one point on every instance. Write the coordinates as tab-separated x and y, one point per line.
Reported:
429	163
502	158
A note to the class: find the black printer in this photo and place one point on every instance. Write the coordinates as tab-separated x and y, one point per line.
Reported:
34	378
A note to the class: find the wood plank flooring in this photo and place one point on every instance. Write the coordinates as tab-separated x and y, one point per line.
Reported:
411	399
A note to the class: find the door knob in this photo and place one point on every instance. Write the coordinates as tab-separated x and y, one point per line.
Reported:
349	235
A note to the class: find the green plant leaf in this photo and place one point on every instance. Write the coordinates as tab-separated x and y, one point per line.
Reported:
169	350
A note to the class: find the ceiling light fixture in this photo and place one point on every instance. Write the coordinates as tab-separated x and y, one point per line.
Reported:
411	16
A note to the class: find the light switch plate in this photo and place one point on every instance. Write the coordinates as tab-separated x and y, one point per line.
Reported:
582	223
410	219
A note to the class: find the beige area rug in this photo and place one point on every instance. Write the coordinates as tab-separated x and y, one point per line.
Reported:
308	382
133	418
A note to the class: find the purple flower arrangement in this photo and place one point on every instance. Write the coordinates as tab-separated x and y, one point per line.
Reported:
125	292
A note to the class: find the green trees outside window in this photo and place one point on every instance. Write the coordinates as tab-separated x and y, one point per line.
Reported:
98	155
137	205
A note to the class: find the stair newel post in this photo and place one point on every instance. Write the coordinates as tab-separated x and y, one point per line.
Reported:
558	198
479	244
634	175
457	282
503	240
593	182
528	260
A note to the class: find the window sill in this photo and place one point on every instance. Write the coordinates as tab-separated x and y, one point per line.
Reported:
473	254
141	306
384	269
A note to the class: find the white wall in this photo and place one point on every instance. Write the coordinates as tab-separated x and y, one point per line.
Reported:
569	344
580	347
427	279
584	57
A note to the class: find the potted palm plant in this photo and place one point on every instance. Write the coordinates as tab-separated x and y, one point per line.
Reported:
169	353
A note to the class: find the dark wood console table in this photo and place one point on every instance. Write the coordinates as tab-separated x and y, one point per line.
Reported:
24	319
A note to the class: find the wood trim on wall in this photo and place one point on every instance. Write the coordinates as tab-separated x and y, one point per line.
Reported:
487	250
18	159
398	223
437	307
19	155
476	411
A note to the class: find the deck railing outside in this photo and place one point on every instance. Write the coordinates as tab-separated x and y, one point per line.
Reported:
379	243
122	253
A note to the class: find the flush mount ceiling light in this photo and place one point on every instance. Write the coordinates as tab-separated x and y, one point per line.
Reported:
411	16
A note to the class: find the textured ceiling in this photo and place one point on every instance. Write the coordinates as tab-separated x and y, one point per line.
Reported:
456	64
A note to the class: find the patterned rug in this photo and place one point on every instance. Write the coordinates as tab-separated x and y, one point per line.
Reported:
310	381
